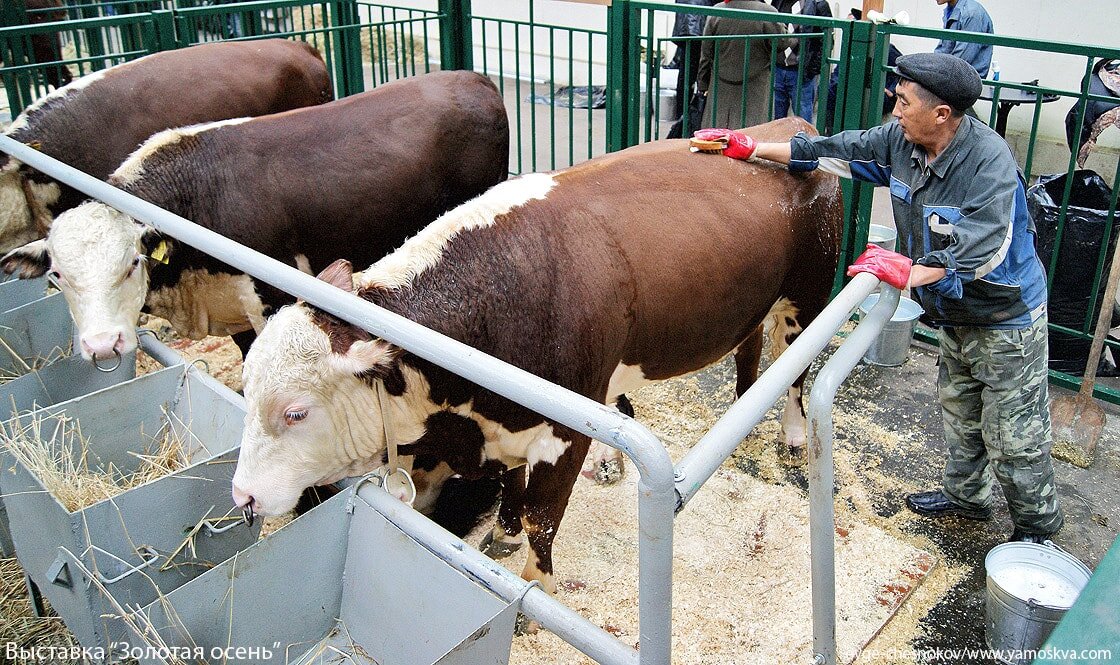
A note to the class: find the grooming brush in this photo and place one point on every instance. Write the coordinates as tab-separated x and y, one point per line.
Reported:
703	145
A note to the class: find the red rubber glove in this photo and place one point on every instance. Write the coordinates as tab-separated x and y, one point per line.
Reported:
739	145
891	267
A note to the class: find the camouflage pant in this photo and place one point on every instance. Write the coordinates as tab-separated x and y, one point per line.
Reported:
995	407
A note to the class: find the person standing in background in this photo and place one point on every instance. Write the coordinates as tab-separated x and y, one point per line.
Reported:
731	90
807	51
967	16
688	53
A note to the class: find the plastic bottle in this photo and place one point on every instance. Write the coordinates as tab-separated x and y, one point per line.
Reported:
995	71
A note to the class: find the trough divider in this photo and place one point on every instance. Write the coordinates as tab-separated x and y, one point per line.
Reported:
536	603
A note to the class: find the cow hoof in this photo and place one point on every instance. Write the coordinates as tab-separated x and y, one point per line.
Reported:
497	549
605	472
796	455
526	626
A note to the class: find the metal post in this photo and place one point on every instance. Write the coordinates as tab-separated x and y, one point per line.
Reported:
852	96
623	74
822	521
163	21
349	78
455	43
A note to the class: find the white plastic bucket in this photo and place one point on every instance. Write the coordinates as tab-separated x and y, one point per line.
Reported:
892	345
1030	588
883	236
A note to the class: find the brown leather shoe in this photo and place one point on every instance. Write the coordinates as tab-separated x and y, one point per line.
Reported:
936	504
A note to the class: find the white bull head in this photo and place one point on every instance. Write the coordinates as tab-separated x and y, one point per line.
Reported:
314	415
96	256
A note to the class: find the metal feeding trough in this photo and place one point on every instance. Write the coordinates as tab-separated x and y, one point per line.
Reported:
16	292
34	333
146	540
340	584
41	372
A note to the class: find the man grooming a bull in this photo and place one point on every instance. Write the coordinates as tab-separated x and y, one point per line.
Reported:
960	209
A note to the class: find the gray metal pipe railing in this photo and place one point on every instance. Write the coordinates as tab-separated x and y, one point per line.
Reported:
822	519
656	497
749	410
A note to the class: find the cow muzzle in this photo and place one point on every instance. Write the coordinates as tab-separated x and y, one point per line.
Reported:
245	503
104	346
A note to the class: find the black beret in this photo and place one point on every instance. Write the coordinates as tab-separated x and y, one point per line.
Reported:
944	75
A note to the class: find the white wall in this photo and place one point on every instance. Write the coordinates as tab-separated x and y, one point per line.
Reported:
1070	21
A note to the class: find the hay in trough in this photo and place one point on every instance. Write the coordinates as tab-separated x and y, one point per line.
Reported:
23	365
52	447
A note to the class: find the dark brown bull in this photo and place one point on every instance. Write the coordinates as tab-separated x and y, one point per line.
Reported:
97	121
636	266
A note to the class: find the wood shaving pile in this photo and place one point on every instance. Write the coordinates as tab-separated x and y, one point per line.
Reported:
741	550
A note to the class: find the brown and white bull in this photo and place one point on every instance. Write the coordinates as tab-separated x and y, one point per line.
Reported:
353	177
97	121
632	267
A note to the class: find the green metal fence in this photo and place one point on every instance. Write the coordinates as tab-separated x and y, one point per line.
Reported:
551	76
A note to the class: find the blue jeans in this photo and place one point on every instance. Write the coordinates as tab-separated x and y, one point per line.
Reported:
785	93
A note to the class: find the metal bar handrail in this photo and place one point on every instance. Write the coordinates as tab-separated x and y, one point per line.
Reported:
656	497
724	437
745	14
822	519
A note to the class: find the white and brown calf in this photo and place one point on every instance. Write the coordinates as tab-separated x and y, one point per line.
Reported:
633	267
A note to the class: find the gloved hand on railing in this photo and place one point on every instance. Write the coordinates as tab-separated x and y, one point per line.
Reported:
737	144
891	267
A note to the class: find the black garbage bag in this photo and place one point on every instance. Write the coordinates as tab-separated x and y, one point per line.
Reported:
1075	271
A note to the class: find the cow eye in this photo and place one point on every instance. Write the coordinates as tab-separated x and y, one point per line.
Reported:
293	417
135	264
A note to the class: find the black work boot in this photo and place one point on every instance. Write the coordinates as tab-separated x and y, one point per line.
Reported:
1020	536
936	504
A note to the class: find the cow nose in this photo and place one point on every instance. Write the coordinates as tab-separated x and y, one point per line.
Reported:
103	345
246	503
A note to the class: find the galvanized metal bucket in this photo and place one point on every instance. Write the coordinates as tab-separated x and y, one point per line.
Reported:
883	236
344	581
893	344
147	540
1030	588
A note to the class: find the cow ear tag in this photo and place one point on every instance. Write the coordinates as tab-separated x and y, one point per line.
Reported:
160	252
